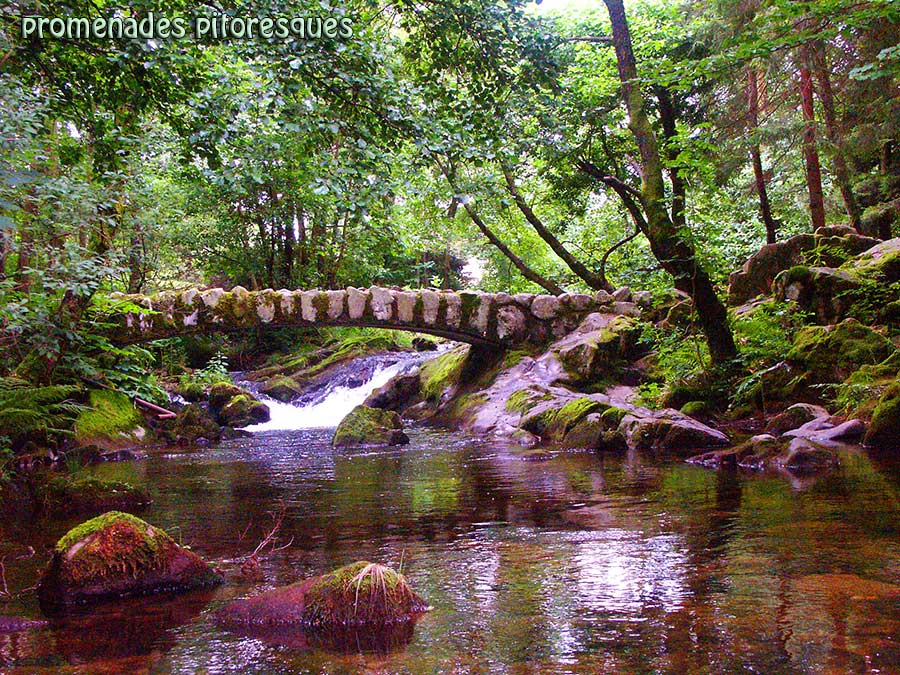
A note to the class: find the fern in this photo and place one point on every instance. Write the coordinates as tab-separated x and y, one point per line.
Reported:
30	411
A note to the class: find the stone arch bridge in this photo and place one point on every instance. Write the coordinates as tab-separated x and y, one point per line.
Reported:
497	320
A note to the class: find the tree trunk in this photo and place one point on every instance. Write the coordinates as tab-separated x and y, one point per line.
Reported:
810	153
669	244
526	271
765	210
594	281
669	119
826	97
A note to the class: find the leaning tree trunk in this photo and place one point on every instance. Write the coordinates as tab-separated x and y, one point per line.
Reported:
810	152
593	280
759	175
669	243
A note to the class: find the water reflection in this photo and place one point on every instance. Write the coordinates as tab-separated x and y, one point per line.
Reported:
576	564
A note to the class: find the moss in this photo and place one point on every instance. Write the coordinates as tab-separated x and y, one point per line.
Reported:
556	422
468	306
613	416
442	372
87	493
320	303
524	400
369	426
692	408
832	353
191	391
358	594
884	430
464	405
281	388
152	535
111	415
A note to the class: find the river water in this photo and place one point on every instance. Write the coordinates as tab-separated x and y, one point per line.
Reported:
570	562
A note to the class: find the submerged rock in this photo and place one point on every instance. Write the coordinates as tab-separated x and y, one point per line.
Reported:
116	555
797	456
361	594
69	495
15	624
365	426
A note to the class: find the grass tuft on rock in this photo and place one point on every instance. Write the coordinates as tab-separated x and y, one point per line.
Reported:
361	593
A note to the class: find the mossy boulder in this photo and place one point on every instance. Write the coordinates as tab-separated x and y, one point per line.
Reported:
111	421
232	406
596	431
281	388
361	594
87	494
365	426
552	424
192	425
669	431
117	555
879	263
191	391
828	246
831	353
884	429
599	349
825	292
243	410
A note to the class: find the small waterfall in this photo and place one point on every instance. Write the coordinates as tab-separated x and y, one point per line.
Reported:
348	388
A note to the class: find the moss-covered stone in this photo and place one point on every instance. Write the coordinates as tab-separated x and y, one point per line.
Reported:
831	353
524	400
365	426
553	424
442	374
116	555
694	408
282	388
598	353
110	419
884	429
243	410
361	594
220	394
192	424
71	495
191	391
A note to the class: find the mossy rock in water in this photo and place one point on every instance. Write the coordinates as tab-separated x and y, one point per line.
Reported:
110	421
193	424
599	349
242	411
220	394
884	429
70	495
365	426
360	594
117	555
191	391
281	388
831	353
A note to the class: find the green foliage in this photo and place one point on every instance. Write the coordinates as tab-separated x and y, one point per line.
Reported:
214	372
43	413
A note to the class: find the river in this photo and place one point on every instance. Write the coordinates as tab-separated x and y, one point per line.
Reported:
569	562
